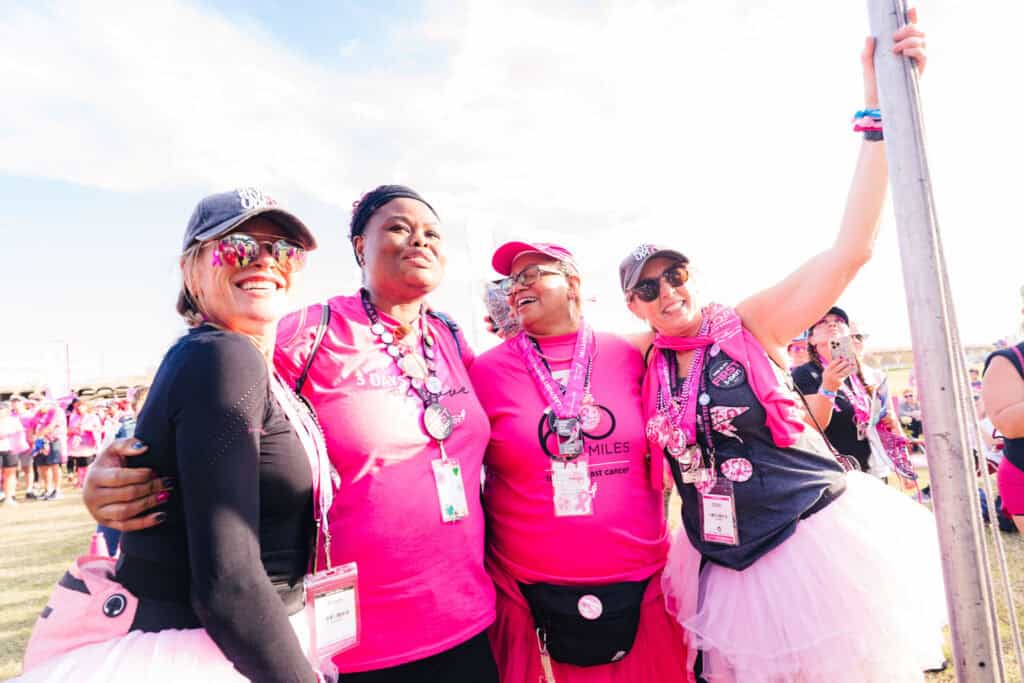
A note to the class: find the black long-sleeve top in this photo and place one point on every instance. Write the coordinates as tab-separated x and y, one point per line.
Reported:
239	529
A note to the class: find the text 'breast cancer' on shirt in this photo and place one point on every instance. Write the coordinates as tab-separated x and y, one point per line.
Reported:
422	584
625	538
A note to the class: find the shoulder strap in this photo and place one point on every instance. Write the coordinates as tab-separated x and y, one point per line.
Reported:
452	326
647	355
1020	359
321	330
846	461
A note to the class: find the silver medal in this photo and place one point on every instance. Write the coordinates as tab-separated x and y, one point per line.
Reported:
570	438
387	337
377	329
437	421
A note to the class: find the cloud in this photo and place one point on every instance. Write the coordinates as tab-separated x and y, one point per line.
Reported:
720	127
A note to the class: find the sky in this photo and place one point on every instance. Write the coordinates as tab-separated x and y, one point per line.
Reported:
718	127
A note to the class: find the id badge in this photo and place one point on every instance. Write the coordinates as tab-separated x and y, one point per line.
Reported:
573	490
332	610
718	514
451	493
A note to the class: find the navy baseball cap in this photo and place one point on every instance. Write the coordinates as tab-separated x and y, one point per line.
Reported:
221	213
836	311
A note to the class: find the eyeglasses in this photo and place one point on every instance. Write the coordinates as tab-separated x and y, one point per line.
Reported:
240	250
525	277
647	290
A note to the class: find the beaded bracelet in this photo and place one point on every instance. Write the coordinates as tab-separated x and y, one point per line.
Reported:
869	122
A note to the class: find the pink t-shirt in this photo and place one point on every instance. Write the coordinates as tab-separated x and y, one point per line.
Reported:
422	584
626	537
85	432
52	423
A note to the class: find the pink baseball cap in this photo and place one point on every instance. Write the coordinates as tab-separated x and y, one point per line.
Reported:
507	253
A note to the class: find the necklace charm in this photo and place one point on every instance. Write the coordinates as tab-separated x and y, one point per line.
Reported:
437	420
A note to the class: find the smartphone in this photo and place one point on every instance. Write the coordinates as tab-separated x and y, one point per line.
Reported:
496	300
842	347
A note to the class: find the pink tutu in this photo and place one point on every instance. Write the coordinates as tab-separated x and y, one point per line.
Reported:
658	654
856	594
171	656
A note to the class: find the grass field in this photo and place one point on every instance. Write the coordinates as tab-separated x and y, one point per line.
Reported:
39	540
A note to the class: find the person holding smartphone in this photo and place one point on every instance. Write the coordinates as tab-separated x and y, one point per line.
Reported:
835	387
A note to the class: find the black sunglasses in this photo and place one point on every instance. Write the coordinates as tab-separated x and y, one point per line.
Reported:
647	290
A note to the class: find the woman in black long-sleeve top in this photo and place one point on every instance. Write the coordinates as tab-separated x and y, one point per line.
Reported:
219	582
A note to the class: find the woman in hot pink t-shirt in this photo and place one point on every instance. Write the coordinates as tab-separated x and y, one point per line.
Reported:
425	598
612	532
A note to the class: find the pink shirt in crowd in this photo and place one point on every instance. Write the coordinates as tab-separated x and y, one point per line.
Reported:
422	584
52	423
85	434
626	537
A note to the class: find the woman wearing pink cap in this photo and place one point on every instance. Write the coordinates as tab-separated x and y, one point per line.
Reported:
808	573
577	537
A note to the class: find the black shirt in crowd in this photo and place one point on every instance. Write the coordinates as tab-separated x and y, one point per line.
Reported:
842	429
238	534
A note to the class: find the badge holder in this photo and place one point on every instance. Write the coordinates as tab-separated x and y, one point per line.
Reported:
718	513
573	491
332	609
451	492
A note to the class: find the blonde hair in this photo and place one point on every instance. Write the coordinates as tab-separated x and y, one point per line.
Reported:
188	304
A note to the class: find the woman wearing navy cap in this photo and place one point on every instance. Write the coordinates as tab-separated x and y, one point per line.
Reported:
214	592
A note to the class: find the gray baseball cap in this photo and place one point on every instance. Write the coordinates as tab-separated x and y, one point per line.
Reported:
220	213
632	265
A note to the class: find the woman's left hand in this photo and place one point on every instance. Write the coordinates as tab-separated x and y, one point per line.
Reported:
909	41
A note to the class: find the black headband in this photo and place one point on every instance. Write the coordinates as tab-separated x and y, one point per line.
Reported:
376	198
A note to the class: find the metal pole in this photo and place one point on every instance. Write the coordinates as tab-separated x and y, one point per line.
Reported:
976	651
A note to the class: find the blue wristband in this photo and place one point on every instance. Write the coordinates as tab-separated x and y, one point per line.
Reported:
829	394
870	113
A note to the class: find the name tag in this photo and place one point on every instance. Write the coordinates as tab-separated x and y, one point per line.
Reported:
718	514
573	491
332	609
451	492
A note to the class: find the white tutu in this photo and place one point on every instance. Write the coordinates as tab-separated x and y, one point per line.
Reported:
856	594
137	657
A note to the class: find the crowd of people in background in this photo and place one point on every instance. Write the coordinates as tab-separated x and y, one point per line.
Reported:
46	444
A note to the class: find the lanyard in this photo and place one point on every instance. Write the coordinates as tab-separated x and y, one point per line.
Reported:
706	442
565	403
312	439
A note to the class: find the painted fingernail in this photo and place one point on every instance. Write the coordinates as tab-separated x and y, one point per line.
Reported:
138	444
162	497
167	483
160	518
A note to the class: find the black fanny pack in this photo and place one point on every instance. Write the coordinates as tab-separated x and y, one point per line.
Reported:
586	625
